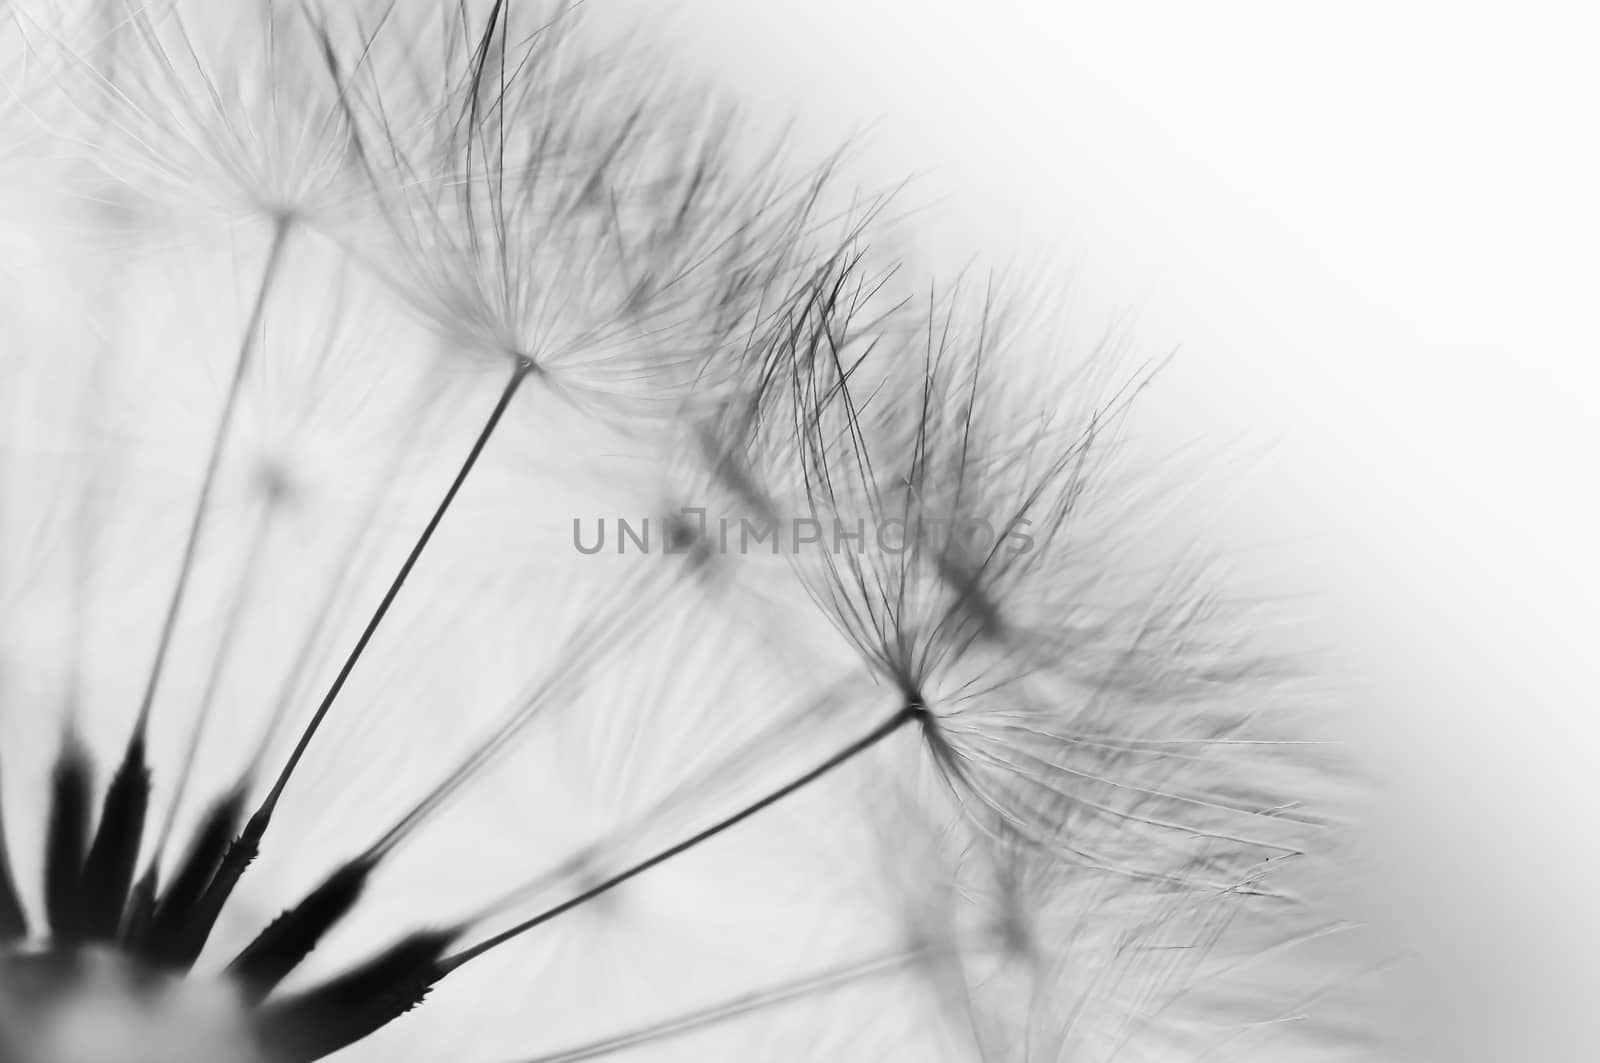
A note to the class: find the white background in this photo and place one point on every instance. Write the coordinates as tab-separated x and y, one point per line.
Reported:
1373	231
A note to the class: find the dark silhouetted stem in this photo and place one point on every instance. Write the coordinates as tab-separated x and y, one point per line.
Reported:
13	921
291	937
247	845
66	838
108	868
518	375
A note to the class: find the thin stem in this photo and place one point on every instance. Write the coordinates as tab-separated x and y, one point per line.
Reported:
247	346
580	652
349	565
106	873
518	375
244	592
720	773
242	852
737	1008
86	536
843	756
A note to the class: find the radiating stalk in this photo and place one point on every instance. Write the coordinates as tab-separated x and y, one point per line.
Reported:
241	368
737	1008
108	867
247	845
345	571
518	375
244	593
842	757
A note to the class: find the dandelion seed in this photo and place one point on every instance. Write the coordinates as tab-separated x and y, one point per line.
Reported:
933	615
567	219
232	117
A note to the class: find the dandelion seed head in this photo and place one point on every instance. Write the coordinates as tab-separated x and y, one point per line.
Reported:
421	776
96	1007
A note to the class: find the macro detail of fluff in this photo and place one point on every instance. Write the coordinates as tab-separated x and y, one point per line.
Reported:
501	562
